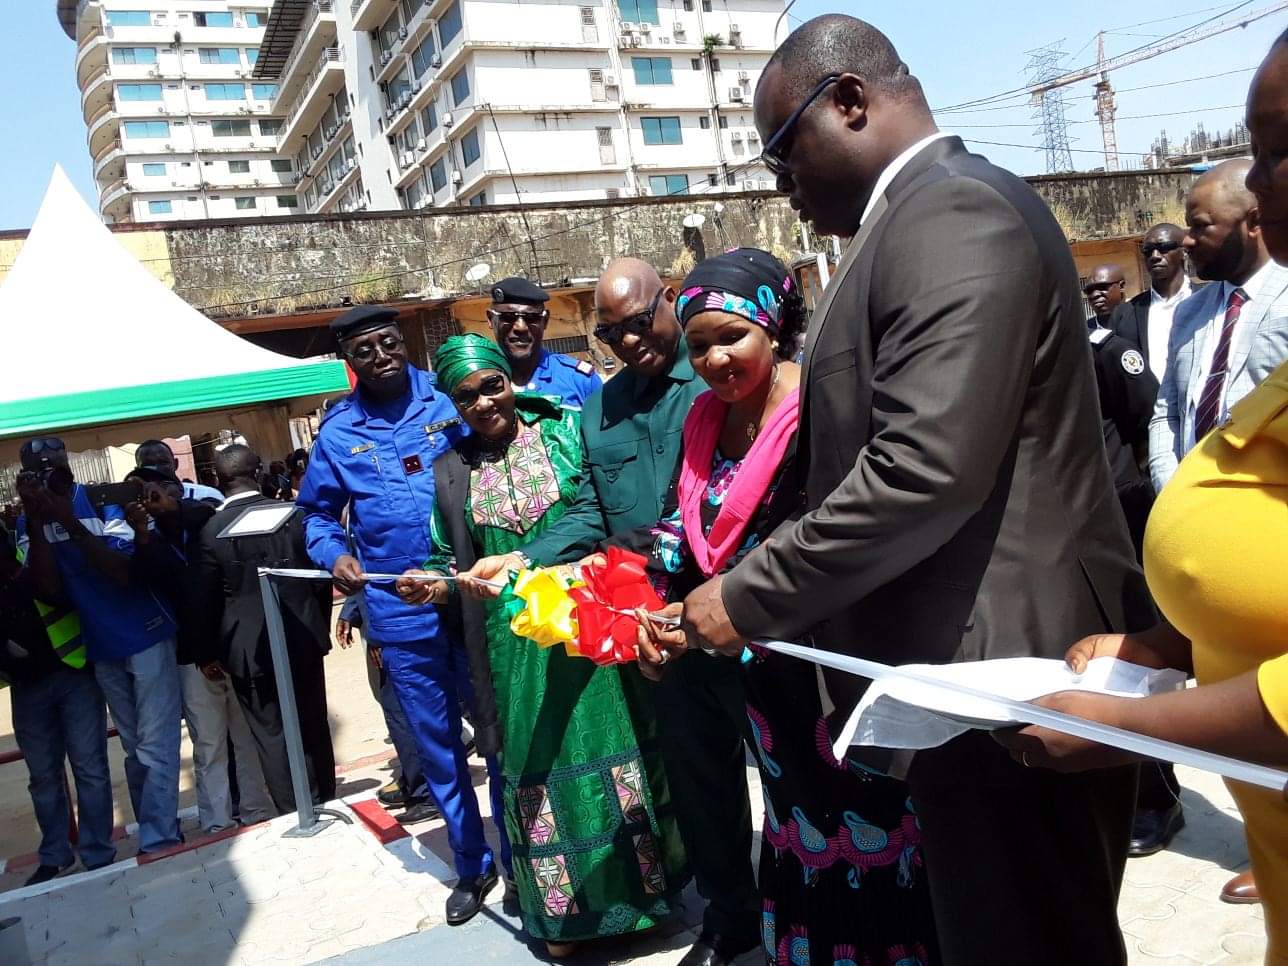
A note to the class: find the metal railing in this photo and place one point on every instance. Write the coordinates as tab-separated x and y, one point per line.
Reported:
331	55
292	62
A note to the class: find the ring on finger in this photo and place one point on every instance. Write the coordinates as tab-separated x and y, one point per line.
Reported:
1024	759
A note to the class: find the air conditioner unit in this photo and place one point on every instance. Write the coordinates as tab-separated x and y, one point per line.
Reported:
386	57
457	177
635	40
258	183
436	60
627	38
646	27
447	120
420	145
629	27
293	178
736	94
743	75
734	29
389	114
304	171
405	99
415	87
678	29
736	137
402	33
350	164
408	159
610	79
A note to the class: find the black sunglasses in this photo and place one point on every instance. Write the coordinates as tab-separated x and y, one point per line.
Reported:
367	351
774	153
509	318
1161	247
635	325
45	444
1102	286
469	398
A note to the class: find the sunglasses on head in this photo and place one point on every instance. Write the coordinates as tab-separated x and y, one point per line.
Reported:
490	387
510	317
366	352
636	325
774	154
1161	247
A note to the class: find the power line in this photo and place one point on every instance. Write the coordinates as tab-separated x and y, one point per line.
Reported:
1121	117
1039	147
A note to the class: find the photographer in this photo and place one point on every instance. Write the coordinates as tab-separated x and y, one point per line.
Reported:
58	714
167	528
78	547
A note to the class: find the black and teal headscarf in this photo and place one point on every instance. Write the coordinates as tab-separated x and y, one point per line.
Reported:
745	281
460	356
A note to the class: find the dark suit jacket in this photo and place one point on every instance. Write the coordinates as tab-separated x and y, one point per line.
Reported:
1130	321
233	607
952	467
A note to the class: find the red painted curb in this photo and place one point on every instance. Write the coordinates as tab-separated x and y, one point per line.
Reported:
378	822
144	858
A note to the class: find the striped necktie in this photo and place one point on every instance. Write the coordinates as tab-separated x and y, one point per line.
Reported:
1209	407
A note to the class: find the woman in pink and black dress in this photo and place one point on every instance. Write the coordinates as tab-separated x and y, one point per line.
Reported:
840	865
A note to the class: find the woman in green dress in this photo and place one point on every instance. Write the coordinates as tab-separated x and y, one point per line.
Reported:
585	799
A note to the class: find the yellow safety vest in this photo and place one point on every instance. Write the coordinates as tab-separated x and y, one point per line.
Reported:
63	627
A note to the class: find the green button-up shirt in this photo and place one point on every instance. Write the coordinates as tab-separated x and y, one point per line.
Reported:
630	433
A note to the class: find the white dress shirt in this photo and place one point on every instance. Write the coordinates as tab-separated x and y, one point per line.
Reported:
1159	332
1210	337
892	169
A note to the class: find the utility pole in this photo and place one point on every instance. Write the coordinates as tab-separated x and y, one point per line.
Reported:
1105	107
1048	106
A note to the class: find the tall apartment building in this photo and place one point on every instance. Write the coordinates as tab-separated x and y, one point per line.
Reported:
178	127
390	104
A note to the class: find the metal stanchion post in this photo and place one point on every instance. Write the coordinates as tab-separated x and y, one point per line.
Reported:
308	812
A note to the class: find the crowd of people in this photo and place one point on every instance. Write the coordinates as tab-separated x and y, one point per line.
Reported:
959	466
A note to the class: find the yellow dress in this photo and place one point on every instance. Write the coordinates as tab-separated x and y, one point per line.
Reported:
1216	558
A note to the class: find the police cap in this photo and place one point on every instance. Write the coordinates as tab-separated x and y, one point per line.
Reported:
363	318
518	291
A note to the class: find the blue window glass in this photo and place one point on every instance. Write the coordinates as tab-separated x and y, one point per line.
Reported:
254	19
423	55
218	55
230	128
138	92
147	129
134	55
652	70
668	184
661	130
449	24
637	11
129	18
429	118
264	92
225	92
270	126
252	55
438	174
212	19
159	208
479	200
460	87
154	169
470	147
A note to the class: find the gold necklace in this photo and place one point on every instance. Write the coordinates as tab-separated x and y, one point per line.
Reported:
753	427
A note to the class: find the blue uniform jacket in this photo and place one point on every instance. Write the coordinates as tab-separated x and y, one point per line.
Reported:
572	380
384	474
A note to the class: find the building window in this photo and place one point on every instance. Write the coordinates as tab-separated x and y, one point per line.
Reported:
138	92
460	87
438	174
429	118
256	18
479	200
134	55
589	29
154	169
239	167
713	180
706	6
597	92
282	165
252	56
212	19
147	129
470	147
159	208
715	63
129	18
652	70
218	55
696	63
607	151
449	24
688	5
270	126
704	122
661	130
225	92
612	192
668	184
244	203
230	128
422	58
288	201
638	11
263	92
724	123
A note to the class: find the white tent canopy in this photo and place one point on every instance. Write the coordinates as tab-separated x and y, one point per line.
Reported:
93	338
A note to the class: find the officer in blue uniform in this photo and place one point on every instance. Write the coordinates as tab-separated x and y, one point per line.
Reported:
519	317
374	454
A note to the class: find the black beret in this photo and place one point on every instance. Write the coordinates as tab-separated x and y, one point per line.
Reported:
361	319
153	474
518	291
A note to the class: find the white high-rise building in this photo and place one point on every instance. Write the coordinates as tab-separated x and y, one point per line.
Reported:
178	127
392	104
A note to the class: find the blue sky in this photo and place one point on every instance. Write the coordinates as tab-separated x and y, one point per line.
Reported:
961	51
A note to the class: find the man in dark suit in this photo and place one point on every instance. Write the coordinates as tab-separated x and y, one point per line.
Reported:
228	572
956	499
1146	319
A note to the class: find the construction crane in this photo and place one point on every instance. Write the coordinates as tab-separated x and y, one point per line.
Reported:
1104	92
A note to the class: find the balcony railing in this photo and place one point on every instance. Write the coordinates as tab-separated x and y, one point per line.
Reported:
292	62
332	55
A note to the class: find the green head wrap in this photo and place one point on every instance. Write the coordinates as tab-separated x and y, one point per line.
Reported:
460	356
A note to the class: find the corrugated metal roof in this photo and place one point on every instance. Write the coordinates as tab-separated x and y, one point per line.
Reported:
279	36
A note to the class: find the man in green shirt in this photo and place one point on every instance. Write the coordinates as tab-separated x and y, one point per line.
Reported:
631	433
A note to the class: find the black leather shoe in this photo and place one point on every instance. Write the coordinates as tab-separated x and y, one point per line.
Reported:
1152	829
420	812
45	873
713	949
391	795
467	898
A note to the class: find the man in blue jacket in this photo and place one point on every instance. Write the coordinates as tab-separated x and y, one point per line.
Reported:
374	455
519	317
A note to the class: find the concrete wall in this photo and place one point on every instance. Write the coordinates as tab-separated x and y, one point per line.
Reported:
1122	203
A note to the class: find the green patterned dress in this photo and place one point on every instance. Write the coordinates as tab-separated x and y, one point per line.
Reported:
587	809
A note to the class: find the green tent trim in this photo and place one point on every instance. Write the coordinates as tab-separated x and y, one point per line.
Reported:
125	403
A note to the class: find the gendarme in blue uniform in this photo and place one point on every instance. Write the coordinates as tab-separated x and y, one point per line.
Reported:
572	380
380	465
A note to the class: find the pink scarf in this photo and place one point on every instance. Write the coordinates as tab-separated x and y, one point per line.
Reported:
747	491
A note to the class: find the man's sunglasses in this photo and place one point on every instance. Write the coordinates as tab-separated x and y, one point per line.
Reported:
367	351
1102	286
490	387
1161	247
635	325
45	444
774	154
510	318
